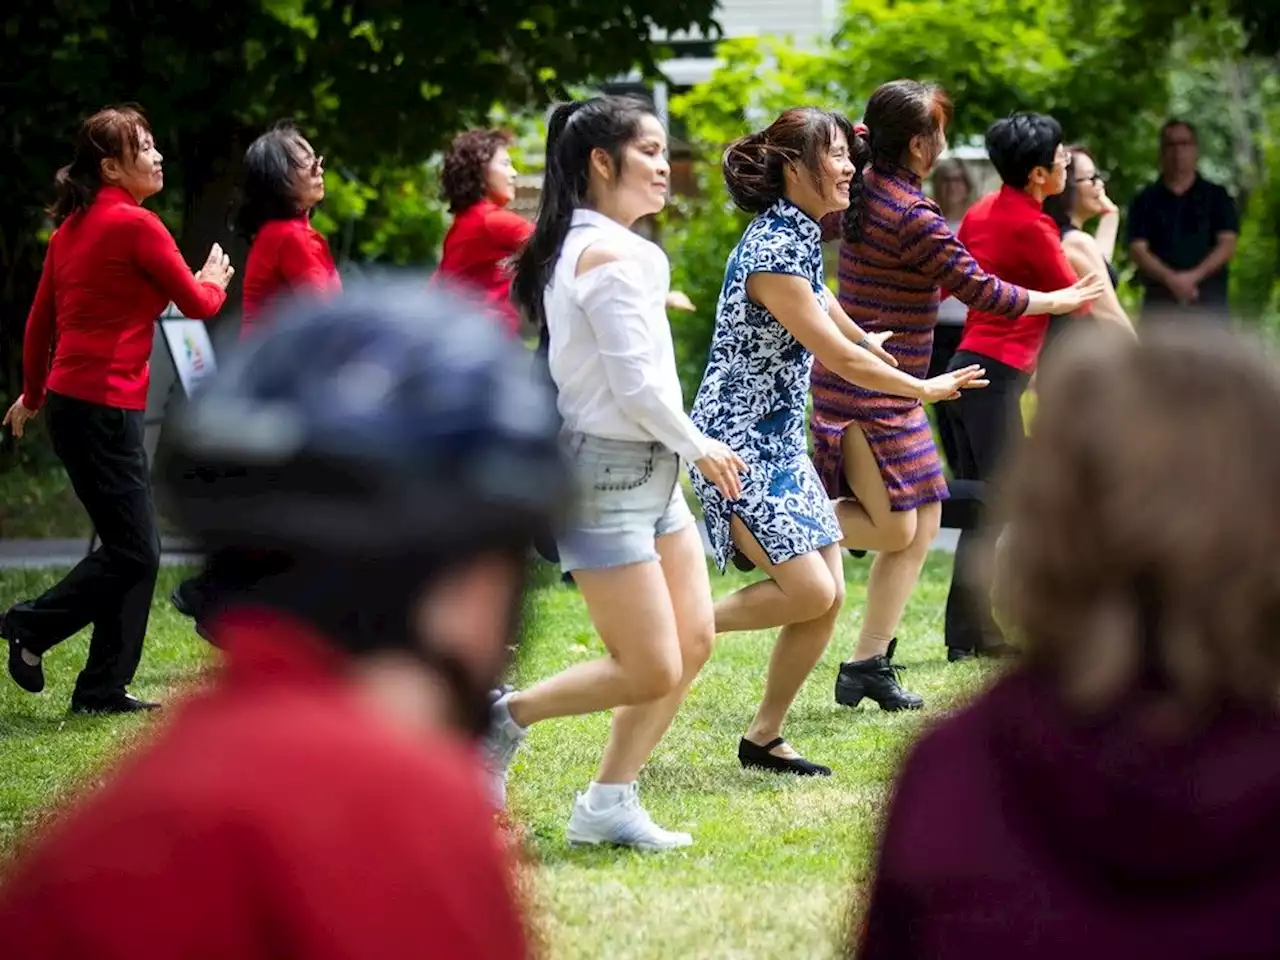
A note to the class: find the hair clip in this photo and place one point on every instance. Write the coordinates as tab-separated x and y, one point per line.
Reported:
861	130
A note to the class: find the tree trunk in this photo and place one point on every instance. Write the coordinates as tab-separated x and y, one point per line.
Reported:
211	172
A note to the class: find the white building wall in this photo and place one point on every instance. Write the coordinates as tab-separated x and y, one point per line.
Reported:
804	22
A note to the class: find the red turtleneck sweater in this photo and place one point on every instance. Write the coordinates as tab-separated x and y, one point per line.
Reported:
286	255
108	273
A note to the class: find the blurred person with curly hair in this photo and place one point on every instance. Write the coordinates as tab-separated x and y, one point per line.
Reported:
1118	793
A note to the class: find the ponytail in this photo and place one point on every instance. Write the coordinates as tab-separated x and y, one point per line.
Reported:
755	166
897	112
561	194
753	172
574	131
860	154
73	190
112	133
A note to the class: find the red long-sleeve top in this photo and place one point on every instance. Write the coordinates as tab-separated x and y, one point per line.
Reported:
1009	234
108	273
286	256
478	249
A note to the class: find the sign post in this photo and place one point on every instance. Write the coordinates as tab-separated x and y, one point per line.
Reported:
191	353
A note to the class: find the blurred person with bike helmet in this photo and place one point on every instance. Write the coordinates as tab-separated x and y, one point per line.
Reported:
325	798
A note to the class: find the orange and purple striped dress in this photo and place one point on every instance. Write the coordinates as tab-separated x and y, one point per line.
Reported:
889	280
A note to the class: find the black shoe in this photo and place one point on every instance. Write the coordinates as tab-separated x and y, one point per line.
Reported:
875	679
29	678
857	554
124	703
186	599
741	562
752	756
993	651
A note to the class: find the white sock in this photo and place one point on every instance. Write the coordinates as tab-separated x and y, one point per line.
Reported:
602	796
502	712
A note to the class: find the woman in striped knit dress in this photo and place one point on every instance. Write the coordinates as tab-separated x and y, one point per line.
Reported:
874	452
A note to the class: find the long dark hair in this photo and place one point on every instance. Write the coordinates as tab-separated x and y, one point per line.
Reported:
754	166
897	112
111	133
270	190
575	130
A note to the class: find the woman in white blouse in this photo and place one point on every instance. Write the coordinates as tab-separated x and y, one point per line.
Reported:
633	547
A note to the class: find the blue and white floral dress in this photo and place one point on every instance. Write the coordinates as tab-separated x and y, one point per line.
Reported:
753	397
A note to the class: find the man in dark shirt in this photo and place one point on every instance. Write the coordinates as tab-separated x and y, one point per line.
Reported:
1182	232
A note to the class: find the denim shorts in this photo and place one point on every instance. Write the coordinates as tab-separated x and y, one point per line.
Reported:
629	495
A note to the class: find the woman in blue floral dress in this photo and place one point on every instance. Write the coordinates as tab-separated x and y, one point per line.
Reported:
774	314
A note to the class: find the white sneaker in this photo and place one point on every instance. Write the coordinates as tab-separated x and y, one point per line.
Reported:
626	824
500	746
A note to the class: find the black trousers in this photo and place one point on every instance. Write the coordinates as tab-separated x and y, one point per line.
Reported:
987	426
102	450
946	340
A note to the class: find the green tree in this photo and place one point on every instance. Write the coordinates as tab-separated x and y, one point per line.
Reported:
1110	70
380	86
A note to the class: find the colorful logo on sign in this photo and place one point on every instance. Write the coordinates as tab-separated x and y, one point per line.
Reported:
194	356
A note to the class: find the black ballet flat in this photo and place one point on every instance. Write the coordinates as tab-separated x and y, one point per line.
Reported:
752	756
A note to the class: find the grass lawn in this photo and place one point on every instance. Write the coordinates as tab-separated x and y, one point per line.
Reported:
776	862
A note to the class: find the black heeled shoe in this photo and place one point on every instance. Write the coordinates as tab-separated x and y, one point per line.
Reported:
29	678
752	756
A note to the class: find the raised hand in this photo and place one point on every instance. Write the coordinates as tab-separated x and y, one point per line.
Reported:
217	268
947	386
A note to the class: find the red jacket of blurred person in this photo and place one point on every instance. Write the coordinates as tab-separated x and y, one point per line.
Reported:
286	256
277	816
108	273
1017	830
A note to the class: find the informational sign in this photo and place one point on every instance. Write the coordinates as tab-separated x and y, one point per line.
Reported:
191	349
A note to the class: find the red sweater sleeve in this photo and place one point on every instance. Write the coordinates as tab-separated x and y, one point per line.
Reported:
37	341
1042	248
929	245
305	264
508	230
157	254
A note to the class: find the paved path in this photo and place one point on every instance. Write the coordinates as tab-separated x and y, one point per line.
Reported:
29	554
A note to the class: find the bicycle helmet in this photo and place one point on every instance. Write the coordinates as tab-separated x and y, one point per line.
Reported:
388	421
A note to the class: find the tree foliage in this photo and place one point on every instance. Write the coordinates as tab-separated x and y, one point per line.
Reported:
379	85
1111	71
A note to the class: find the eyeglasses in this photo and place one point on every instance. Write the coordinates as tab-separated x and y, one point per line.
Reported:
317	164
1096	178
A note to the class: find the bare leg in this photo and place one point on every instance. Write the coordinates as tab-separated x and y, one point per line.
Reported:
803	594
902	539
637	729
892	580
632	612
